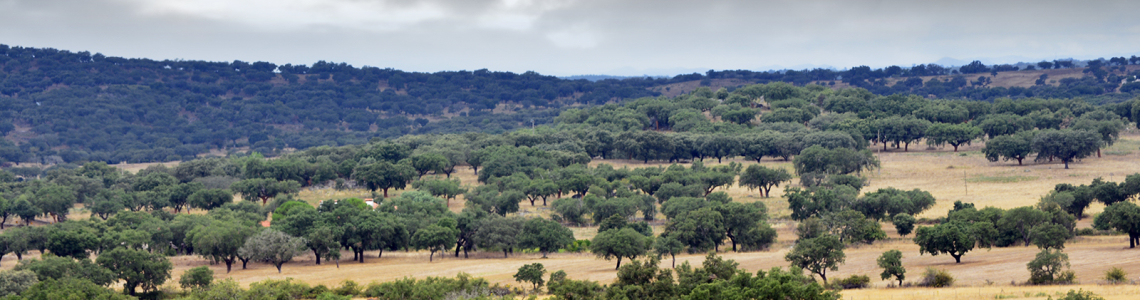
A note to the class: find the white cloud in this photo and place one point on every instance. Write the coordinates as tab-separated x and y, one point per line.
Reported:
293	14
575	36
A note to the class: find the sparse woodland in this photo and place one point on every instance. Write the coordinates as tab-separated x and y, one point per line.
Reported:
243	207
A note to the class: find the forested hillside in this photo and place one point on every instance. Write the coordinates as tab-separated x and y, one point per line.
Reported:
59	106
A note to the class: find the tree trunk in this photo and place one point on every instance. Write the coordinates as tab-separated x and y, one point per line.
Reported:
381	253
823	275
385	193
318	255
1066	165
278	268
431	256
674	260
1019	161
618	263
955	148
229	264
957	258
505	253
244	262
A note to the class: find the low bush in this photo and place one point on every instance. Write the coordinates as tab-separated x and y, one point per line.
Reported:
854	282
1116	275
936	278
1080	295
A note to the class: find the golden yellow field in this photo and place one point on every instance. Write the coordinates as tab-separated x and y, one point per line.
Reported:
949	176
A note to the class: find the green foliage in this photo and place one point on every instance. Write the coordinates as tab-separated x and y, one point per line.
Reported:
936	278
1080	295
1013	146
546	235
436	237
14	282
904	223
273	247
952	238
435	288
55	267
817	255
1047	268
136	268
196	278
760	177
891	262
854	282
1116	275
70	288
531	273
619	243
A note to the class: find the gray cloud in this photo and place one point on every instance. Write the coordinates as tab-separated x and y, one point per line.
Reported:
578	36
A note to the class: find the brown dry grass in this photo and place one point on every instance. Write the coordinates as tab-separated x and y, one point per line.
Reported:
949	176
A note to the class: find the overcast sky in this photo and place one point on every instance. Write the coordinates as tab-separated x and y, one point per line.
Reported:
569	37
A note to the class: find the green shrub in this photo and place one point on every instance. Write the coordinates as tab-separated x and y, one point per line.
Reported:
936	278
1080	295
15	282
348	288
198	277
1047	268
70	288
428	288
331	296
578	246
854	282
1116	275
279	289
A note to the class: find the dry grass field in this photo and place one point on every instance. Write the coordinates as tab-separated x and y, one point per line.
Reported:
949	176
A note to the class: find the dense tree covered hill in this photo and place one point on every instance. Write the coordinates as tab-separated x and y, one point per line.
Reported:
62	106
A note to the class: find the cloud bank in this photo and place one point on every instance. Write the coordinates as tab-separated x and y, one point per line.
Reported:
566	37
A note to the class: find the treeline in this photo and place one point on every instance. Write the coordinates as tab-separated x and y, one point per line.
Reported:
81	107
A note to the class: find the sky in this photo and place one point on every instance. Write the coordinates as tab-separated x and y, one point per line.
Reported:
577	37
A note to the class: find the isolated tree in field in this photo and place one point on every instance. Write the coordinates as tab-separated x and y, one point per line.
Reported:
939	134
264	188
904	224
668	245
383	176
209	199
952	238
273	247
531	273
1123	216
619	243
428	162
817	255
1013	146
136	268
761	177
546	235
436	237
1065	145
1046	267
891	262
